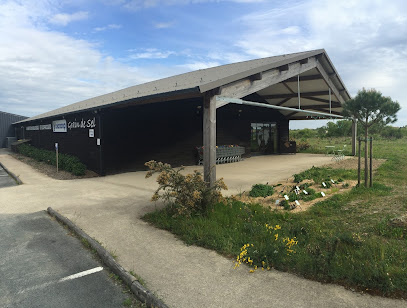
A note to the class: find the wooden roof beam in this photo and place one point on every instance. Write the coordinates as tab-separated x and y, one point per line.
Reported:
319	106
304	61
311	117
258	76
247	86
322	100
283	68
323	109
288	88
283	101
291	114
293	95
329	82
305	78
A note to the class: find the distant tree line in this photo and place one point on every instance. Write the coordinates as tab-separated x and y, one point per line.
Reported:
343	128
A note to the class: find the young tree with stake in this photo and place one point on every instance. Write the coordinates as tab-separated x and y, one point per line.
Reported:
370	107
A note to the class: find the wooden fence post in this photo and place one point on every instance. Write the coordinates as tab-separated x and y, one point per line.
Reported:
371	162
360	142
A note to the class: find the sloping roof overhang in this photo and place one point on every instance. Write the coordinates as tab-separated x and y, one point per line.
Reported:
315	81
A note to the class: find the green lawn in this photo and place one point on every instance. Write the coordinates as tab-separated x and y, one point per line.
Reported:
346	239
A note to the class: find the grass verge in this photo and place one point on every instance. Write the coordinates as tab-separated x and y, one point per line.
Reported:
346	239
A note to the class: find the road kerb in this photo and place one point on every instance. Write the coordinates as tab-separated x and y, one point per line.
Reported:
15	178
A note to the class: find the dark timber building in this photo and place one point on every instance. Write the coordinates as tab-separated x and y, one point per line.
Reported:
247	103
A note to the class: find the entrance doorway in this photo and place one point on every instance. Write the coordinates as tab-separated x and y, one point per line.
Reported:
263	138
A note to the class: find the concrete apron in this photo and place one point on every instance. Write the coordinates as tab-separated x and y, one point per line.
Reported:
109	209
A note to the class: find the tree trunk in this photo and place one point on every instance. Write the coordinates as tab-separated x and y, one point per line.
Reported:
366	170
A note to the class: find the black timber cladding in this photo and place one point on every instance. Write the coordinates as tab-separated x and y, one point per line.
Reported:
170	131
6	129
75	141
167	132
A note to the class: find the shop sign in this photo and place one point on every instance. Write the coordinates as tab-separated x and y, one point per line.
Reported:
45	127
90	123
35	127
59	126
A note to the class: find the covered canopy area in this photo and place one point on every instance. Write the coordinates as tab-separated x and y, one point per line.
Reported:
300	86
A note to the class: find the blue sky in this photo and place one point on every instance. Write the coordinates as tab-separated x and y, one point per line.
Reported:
57	52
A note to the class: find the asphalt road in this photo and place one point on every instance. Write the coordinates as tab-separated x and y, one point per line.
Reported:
42	265
5	179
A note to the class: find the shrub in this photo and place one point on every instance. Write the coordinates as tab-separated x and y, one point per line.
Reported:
327	182
310	191
188	194
302	146
293	196
261	190
284	203
339	129
304	133
391	132
65	162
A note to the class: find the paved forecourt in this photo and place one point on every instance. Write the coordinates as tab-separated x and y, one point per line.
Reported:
109	209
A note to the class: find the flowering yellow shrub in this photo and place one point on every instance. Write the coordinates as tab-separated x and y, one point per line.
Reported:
277	244
188	193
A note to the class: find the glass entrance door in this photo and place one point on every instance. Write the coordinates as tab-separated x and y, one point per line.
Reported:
263	138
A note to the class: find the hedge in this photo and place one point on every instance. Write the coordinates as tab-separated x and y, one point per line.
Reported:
65	162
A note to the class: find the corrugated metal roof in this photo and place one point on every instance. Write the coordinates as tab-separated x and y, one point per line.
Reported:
199	81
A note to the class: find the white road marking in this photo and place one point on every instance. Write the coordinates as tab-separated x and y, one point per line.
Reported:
67	278
81	274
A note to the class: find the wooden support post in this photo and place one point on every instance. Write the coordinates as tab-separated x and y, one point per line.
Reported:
354	134
360	142
209	139
371	161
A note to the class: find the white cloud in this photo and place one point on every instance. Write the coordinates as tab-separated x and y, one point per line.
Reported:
151	53
108	27
366	40
135	5
62	19
163	25
228	57
42	70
